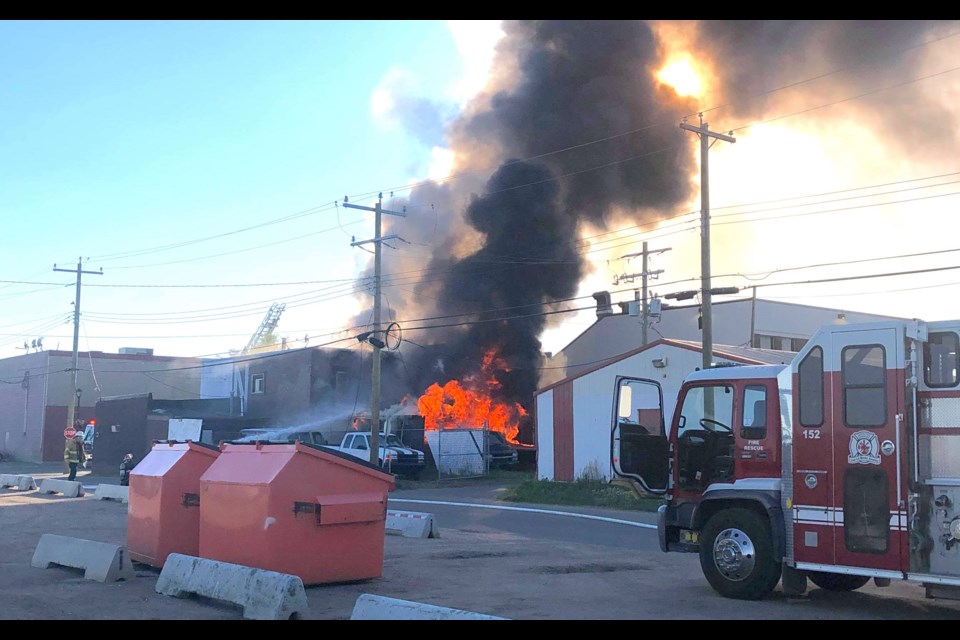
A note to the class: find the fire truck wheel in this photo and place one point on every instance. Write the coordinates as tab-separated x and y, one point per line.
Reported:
837	581
736	555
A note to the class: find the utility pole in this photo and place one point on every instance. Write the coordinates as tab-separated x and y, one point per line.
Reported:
372	338
705	134
71	408
643	274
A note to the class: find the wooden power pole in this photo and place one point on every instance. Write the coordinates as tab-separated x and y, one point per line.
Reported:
374	339
705	294
71	407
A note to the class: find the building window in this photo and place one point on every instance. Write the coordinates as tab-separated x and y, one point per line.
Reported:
941	359
796	344
257	382
864	386
340	380
810	388
776	343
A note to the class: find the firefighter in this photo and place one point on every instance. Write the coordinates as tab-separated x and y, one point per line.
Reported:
125	467
73	455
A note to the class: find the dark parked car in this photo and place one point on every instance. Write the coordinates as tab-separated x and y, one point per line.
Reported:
275	435
501	452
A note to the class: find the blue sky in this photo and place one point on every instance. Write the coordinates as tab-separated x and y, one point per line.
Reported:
122	136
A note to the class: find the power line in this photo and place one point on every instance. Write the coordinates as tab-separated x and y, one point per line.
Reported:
836	102
176	245
839	263
891	53
509	318
860	277
321	208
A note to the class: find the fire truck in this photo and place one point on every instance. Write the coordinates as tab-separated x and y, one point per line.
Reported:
840	467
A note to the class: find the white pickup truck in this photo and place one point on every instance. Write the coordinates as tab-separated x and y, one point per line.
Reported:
395	457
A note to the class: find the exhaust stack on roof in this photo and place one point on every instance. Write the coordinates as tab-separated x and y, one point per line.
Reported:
604	307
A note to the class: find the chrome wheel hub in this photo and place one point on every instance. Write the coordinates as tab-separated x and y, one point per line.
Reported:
734	554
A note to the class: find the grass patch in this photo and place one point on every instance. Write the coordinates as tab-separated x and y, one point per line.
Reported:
503	477
584	493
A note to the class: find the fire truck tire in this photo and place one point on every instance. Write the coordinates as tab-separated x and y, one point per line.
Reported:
837	581
736	555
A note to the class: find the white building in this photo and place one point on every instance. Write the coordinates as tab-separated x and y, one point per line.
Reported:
574	417
764	324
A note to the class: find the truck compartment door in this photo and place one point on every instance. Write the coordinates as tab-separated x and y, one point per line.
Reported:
867	388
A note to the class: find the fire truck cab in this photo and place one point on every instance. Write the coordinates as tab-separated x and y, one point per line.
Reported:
840	467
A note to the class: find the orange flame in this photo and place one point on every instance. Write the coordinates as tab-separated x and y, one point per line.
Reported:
470	405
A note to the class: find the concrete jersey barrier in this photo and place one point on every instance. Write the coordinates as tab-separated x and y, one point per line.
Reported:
371	607
69	488
264	595
412	524
112	492
21	482
101	561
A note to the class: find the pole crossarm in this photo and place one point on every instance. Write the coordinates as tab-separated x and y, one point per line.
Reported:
649	253
348	205
357	243
702	130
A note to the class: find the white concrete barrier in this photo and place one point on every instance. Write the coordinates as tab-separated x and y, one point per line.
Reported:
264	595
101	561
21	482
412	524
371	607
112	492
69	488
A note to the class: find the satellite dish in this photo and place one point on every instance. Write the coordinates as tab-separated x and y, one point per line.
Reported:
393	336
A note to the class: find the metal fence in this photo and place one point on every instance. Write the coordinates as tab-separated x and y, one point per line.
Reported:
459	453
449	453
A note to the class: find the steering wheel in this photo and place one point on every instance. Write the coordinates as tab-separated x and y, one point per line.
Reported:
711	425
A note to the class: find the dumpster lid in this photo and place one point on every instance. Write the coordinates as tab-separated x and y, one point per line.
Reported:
202	447
322	451
165	454
318	451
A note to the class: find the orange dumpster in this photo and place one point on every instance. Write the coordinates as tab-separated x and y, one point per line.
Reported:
163	515
295	508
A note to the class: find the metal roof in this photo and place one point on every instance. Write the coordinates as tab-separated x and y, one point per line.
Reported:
767	356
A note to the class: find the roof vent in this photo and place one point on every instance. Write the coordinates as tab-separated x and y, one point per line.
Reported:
604	308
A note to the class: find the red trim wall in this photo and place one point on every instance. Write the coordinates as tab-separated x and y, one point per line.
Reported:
623	356
563	431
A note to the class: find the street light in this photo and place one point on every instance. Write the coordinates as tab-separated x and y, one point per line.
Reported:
717	291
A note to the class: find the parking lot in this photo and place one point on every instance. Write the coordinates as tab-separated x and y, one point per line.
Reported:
591	564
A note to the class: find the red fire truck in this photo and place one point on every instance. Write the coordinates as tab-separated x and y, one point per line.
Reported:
841	467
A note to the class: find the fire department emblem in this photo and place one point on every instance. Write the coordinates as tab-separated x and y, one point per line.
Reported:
864	448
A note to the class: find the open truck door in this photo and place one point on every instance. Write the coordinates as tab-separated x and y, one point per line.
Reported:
639	451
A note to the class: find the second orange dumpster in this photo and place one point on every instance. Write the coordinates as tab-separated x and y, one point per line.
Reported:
295	508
